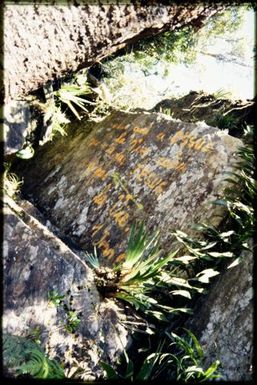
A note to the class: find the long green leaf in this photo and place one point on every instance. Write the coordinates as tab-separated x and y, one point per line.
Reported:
157	314
138	245
92	259
211	370
206	274
183	293
129	371
110	372
196	343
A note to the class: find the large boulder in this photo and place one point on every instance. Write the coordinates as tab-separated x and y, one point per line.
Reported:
90	187
223	321
132	166
215	110
62	38
20	121
37	265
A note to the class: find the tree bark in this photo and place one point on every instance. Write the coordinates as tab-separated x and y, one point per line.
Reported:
43	42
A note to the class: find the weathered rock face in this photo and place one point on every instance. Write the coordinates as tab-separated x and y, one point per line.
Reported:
216	112
60	39
19	123
145	167
223	322
35	263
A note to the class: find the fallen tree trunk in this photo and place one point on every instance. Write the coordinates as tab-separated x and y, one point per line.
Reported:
42	42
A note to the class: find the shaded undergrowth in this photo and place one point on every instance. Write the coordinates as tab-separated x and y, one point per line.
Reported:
24	358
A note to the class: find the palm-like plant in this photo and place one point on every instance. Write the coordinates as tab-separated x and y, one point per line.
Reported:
143	275
70	94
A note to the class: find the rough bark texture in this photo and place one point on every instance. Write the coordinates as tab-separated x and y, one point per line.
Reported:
132	166
37	262
42	42
223	322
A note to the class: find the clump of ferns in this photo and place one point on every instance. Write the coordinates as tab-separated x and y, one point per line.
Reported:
145	280
76	96
26	358
80	95
67	97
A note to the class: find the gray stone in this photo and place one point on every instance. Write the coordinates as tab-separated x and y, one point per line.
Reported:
223	321
18	124
132	166
37	262
215	111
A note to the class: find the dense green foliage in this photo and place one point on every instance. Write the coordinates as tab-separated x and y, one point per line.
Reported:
25	357
181	45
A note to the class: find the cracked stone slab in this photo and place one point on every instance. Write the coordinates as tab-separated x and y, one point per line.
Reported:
37	262
132	166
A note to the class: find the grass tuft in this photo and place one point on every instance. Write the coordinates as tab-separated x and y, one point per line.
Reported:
25	357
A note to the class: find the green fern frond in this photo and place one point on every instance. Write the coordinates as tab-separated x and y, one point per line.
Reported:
26	357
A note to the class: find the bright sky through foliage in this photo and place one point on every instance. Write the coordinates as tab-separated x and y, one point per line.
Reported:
210	74
226	64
